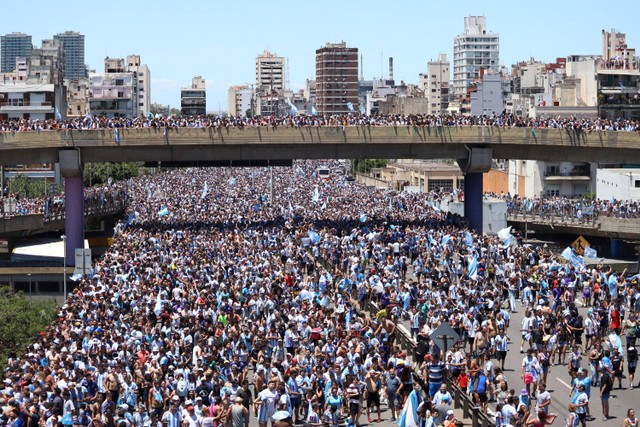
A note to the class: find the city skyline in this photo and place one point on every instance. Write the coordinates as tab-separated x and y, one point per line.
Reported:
221	43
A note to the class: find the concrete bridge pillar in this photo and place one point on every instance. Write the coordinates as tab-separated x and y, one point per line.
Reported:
477	163
71	169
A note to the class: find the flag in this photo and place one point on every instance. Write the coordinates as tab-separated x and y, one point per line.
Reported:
504	233
232	181
468	238
409	416
116	136
316	195
431	239
158	307
314	237
362	109
587	210
205	190
509	241
164	211
363	217
292	108
533	132
636	278
445	239
347	319
473	267
566	254
529	205
313	111
350	106
589	252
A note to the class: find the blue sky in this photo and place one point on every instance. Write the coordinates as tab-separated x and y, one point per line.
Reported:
220	40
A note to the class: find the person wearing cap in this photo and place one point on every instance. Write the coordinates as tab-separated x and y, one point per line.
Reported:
581	400
632	363
238	414
450	419
442	409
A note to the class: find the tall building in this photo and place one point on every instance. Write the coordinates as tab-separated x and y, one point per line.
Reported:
240	101
123	90
337	79
193	100
436	85
270	83
13	46
474	49
270	72
73	45
143	84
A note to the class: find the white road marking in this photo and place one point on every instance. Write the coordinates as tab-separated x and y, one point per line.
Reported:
567	385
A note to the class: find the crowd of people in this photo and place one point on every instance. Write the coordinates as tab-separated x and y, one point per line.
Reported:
302	120
571	208
232	294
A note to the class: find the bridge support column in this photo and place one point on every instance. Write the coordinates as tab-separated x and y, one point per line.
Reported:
477	163
71	169
473	200
617	248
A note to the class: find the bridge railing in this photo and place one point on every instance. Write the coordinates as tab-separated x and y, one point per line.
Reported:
92	207
566	215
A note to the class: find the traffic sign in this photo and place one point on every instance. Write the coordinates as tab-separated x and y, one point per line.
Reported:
579	245
444	337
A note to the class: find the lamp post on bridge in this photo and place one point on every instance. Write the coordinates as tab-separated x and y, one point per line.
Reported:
64	267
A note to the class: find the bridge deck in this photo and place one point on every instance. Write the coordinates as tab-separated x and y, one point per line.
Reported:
263	143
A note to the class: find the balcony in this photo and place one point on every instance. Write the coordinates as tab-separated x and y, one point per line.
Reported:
577	174
18	105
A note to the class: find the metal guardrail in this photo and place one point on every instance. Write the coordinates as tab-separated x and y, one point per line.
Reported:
460	398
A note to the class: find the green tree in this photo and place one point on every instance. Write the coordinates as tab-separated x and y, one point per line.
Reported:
365	165
27	187
21	320
99	173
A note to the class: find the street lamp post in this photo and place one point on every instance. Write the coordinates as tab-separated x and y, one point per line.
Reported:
64	267
30	295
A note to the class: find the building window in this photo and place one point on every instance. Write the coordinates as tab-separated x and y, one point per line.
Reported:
440	184
637	183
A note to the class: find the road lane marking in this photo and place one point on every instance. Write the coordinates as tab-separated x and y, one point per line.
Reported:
567	385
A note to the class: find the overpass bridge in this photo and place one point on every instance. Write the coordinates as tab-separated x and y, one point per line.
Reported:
473	147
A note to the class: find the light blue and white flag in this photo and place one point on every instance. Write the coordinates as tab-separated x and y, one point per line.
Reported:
205	190
409	416
314	112
363	217
232	181
432	241
116	136
164	211
350	106
589	252
509	241
636	277
468	238
504	233
314	237
587	210
292	108
362	109
566	254
445	239
473	267
315	198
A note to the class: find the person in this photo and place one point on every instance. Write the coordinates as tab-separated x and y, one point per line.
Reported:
313	419
265	405
391	384
173	416
631	420
617	360
543	399
632	363
541	420
606	385
353	395
529	369
442	409
330	417
373	384
581	400
572	417
238	414
450	419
